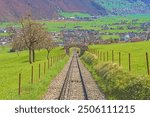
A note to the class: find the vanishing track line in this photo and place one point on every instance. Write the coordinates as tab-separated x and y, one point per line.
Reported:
73	87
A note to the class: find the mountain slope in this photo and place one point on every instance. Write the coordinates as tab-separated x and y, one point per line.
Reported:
47	9
11	10
123	7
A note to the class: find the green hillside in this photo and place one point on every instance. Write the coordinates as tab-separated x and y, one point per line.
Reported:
74	14
123	6
12	64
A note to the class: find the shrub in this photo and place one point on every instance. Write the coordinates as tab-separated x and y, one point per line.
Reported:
90	59
116	83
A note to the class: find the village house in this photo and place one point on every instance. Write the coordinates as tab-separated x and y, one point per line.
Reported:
80	36
4	40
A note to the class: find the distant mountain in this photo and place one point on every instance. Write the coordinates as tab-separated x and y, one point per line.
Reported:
11	10
123	7
46	9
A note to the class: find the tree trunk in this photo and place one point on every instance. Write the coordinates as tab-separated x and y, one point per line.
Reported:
30	56
48	54
33	52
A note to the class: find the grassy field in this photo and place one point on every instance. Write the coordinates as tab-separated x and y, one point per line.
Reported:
4	34
114	24
11	64
106	37
116	81
7	24
138	55
74	14
110	21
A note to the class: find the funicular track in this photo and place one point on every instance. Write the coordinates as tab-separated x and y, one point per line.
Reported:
74	82
73	87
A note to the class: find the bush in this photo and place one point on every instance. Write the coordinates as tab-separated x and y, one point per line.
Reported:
117	84
90	59
122	85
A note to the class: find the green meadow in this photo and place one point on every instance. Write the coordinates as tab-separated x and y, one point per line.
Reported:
137	51
113	22
4	34
11	64
116	81
74	14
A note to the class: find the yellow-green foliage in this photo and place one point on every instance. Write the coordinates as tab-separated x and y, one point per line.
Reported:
116	83
90	58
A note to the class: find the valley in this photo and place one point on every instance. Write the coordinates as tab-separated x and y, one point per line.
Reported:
105	44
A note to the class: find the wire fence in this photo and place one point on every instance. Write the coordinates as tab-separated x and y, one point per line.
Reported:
126	60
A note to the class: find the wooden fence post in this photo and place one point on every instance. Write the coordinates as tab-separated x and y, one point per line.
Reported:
129	62
107	56
51	61
19	85
54	59
98	54
104	56
112	56
39	71
48	63
119	58
44	68
147	63
101	56
32	74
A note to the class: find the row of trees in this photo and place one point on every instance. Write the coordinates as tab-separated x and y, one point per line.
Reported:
32	35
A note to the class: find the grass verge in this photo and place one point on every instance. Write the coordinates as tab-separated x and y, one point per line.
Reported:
11	64
116	83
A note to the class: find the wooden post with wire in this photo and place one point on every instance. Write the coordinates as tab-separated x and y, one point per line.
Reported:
51	61
48	64
101	56
129	62
44	68
19	85
112	56
104	56
32	74
107	56
119	58
39	71
147	63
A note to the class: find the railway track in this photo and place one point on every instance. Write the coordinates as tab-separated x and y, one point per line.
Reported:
74	87
74	82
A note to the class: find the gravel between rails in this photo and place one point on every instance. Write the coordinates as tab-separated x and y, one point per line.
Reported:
92	89
74	87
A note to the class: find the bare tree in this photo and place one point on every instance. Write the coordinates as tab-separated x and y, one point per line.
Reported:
49	45
30	36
